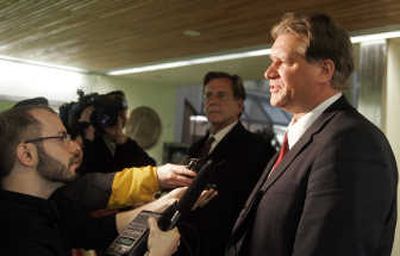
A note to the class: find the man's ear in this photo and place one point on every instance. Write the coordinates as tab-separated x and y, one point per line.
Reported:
327	70
241	106
26	154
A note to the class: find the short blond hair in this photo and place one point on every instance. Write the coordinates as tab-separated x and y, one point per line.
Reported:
325	40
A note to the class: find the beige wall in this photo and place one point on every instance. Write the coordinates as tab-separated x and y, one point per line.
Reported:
379	98
392	122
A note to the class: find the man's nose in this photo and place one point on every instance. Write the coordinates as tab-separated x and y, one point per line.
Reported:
270	72
75	147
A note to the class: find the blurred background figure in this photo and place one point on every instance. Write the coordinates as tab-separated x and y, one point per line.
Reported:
98	121
243	156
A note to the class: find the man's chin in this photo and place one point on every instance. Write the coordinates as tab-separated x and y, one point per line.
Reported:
214	118
277	102
70	177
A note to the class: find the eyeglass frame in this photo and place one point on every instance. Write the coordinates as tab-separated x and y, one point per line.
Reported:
64	137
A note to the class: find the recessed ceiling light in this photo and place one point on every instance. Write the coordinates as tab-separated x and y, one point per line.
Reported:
191	33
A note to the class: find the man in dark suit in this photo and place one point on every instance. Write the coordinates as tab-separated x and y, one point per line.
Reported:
334	192
242	156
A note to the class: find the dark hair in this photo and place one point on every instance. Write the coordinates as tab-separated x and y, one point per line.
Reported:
70	113
106	109
326	40
237	83
38	101
16	124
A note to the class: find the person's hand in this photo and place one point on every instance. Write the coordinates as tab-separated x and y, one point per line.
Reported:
172	175
159	205
161	243
174	194
205	197
89	132
86	114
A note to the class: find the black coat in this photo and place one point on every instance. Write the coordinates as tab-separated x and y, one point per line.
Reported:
334	193
98	158
40	227
245	155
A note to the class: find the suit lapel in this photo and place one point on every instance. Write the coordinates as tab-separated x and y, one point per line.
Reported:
305	140
223	145
251	200
194	150
266	182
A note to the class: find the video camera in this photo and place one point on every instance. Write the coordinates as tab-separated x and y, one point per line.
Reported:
106	109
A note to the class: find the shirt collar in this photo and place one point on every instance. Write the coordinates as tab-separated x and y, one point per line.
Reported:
298	128
221	134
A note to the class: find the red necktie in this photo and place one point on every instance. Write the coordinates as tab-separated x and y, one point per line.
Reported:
284	149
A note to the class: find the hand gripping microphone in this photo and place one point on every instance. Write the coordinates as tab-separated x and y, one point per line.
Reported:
171	215
133	239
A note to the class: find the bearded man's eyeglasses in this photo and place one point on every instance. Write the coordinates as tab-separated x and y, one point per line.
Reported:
64	137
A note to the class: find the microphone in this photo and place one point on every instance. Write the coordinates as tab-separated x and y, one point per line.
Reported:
133	239
171	215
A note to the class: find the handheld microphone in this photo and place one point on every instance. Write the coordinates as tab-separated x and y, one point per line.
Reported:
171	215
133	239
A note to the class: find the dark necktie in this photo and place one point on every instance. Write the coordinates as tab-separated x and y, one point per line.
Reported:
203	152
283	150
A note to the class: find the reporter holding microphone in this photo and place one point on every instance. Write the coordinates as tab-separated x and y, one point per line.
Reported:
37	158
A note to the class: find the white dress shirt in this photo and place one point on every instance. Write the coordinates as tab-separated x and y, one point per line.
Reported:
220	135
296	129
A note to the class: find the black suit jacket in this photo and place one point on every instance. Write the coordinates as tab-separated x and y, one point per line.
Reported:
334	193
245	155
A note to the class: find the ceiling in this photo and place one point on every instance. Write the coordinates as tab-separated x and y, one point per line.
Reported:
104	35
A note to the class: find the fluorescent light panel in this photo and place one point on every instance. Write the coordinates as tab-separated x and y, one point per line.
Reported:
210	59
247	54
44	64
183	63
375	37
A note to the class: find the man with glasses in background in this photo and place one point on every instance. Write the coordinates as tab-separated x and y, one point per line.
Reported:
242	155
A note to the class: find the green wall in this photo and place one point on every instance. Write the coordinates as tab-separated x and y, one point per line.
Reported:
4	104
